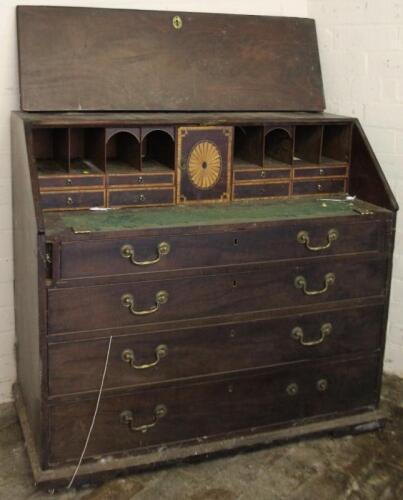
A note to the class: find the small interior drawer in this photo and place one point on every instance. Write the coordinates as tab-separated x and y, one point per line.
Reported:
73	181
262	190
72	199
262	174
140	179
140	197
320	172
319	187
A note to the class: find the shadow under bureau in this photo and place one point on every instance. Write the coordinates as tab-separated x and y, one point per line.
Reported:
223	276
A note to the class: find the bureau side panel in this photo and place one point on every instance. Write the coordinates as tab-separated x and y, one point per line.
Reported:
29	281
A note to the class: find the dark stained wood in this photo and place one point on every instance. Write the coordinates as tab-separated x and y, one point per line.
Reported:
100	470
320	172
140	179
217	185
127	119
319	187
140	197
29	289
278	145
248	145
261	174
215	295
271	63
251	356
72	200
87	148
94	257
71	181
213	408
74	367
336	142
308	143
263	190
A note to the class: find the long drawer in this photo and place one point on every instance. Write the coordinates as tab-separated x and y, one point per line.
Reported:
162	415
165	356
134	255
273	286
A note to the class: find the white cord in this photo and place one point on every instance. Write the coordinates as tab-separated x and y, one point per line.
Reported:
94	416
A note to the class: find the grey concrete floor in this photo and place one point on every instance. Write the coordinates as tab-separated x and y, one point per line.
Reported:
364	467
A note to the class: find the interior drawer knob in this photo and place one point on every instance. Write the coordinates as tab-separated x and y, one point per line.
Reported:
127	252
160	352
322	385
297	334
127	418
292	389
127	300
304	239
329	280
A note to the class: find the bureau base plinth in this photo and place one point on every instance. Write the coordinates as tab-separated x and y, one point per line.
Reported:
109	467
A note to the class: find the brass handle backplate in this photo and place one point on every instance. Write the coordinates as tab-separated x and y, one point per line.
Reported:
304	238
160	352
127	418
127	300
297	333
127	252
300	282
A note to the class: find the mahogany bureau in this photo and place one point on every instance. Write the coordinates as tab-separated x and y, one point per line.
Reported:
202	255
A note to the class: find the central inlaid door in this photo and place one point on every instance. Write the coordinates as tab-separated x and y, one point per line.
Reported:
204	164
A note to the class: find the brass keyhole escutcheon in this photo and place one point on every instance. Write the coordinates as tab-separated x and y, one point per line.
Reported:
177	22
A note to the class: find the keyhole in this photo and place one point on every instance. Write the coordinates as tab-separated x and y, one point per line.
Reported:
236	241
204	165
234	283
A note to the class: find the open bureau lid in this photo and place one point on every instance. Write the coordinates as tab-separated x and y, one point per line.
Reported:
89	59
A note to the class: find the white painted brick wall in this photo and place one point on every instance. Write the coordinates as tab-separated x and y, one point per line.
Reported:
361	50
9	101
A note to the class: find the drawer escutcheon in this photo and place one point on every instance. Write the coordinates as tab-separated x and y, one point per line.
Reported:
127	300
300	282
160	352
304	239
127	252
127	418
297	334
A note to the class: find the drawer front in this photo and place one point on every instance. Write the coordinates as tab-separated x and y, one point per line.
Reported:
281	285
262	174
162	356
62	182
140	197
318	187
139	179
293	240
160	415
242	191
320	172
72	199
